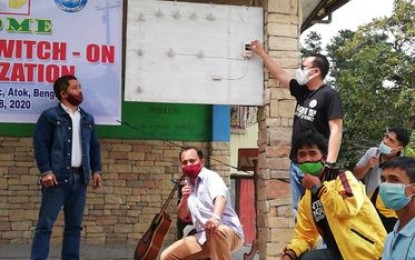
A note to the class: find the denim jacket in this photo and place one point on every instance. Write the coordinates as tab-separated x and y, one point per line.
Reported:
52	143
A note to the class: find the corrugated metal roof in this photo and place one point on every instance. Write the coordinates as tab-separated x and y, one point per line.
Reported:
315	11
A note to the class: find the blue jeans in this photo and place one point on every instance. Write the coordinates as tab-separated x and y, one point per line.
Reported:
321	254
297	189
71	194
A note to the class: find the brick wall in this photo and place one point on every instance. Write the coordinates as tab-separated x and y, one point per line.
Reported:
137	181
137	174
274	207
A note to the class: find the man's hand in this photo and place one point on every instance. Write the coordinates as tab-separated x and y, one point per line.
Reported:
48	180
309	181
97	181
373	161
183	209
285	257
211	226
275	69
186	191
258	48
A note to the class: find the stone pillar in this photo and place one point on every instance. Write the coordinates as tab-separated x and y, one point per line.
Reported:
274	217
219	159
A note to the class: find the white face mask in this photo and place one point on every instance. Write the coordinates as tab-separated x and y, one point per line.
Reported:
383	148
302	76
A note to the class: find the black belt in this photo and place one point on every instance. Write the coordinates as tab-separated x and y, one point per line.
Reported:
76	170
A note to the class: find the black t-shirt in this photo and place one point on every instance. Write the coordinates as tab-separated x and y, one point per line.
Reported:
314	110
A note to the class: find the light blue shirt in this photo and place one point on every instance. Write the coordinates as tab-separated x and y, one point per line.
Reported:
207	187
400	245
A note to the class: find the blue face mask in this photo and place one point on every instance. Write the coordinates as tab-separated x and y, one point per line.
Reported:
383	148
393	195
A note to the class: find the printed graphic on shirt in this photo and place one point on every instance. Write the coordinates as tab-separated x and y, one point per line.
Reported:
318	211
313	103
307	113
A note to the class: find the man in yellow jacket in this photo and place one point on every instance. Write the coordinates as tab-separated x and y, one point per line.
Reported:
334	207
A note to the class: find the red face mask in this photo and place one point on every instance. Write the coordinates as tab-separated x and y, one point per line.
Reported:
75	100
192	170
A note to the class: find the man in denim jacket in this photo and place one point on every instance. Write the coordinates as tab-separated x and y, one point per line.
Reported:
66	150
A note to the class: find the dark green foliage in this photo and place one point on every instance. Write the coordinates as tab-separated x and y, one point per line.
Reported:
312	44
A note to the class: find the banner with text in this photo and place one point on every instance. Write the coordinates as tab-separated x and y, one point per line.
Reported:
43	40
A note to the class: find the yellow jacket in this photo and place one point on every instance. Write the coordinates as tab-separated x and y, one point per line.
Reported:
354	222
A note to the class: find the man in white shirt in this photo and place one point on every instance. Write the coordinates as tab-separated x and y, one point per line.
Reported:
205	198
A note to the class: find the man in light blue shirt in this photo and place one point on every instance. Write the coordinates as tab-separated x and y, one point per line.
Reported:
398	193
205	199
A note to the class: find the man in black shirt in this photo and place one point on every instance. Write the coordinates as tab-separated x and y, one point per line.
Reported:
318	108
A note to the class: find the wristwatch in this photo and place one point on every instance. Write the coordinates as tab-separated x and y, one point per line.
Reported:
316	188
331	165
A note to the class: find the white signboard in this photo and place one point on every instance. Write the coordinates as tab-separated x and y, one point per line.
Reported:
43	40
192	53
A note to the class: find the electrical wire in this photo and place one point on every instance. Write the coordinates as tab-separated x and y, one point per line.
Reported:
182	147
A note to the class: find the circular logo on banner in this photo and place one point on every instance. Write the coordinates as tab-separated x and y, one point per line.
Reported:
71	5
313	103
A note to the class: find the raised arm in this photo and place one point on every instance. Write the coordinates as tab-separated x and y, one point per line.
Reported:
335	139
183	209
272	65
365	164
